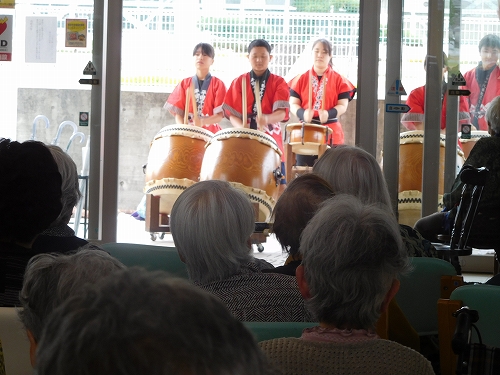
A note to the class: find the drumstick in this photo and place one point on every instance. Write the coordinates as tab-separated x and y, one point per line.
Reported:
193	99
244	101
257	99
186	110
323	98
310	90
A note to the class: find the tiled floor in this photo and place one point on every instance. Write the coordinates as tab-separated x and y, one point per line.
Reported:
132	230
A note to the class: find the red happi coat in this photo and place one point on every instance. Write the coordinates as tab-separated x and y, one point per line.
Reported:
416	102
492	91
214	97
336	87
276	95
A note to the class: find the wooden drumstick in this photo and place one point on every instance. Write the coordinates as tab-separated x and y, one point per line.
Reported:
323	98
310	90
244	101
257	99
193	99
186	109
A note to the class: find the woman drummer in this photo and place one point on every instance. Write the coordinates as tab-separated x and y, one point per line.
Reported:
321	95
208	90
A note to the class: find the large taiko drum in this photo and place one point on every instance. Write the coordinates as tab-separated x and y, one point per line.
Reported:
174	162
305	139
249	158
411	150
410	207
468	144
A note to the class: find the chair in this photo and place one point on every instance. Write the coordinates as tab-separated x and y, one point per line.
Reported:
15	344
421	289
485	299
461	241
151	257
272	330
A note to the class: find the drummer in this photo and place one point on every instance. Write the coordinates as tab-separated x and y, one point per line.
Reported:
209	92
273	97
327	86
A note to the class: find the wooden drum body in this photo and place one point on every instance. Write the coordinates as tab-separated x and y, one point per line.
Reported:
305	139
468	144
174	162
249	158
410	207
411	150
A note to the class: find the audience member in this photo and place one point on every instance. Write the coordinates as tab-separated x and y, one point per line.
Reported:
295	207
486	153
50	279
352	170
59	237
30	200
211	224
352	256
136	322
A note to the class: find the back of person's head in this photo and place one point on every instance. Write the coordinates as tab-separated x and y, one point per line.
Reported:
139	322
493	116
211	224
352	170
259	43
30	190
70	184
52	278
296	206
351	255
489	40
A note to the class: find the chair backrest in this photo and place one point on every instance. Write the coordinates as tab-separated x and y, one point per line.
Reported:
272	330
151	257
15	344
419	292
486	300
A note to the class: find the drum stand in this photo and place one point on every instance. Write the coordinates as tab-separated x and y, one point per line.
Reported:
292	170
155	222
261	231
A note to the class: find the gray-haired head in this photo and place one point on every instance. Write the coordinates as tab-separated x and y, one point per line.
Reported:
493	116
351	254
70	184
352	170
139	322
211	223
52	278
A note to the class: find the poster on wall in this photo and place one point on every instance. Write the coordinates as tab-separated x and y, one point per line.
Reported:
6	37
7	3
76	33
41	39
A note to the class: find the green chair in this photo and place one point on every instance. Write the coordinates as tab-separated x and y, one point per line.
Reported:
272	330
420	291
151	257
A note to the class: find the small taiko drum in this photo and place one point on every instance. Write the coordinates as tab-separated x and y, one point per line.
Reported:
411	152
468	144
410	207
248	157
174	162
305	139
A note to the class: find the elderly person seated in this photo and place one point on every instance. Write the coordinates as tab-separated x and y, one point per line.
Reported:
211	224
59	237
138	322
295	207
50	279
352	170
30	200
485	153
352	256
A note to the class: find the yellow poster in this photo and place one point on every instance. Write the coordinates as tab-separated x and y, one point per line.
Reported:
7	3
76	33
